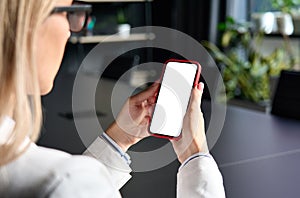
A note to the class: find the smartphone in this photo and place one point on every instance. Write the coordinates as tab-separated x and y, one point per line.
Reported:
177	80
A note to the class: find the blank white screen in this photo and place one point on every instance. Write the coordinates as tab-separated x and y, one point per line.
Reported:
173	98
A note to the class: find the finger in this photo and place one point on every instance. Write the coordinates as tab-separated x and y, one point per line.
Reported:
144	95
151	109
196	96
145	121
142	112
158	81
144	125
151	100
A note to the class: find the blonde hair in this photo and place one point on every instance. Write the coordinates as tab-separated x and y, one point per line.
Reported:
20	20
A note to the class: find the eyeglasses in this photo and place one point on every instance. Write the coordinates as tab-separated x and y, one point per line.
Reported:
77	15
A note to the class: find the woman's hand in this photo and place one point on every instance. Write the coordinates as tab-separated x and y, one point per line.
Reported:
133	120
193	139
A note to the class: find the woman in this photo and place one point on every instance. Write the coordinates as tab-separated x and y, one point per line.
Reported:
33	35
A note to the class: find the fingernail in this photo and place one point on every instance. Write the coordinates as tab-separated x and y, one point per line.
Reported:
200	86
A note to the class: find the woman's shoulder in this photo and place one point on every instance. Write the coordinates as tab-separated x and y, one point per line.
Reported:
43	172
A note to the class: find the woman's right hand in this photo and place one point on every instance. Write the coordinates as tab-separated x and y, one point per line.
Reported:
193	139
133	120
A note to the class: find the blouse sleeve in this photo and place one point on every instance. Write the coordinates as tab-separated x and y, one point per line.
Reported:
80	177
200	177
112	159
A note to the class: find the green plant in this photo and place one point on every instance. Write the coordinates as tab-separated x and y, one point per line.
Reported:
121	19
246	72
285	6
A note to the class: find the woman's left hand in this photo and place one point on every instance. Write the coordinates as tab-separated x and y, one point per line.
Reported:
133	120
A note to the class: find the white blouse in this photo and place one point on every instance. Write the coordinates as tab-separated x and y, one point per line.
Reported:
43	172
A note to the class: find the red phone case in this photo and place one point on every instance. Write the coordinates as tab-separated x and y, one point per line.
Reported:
196	80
